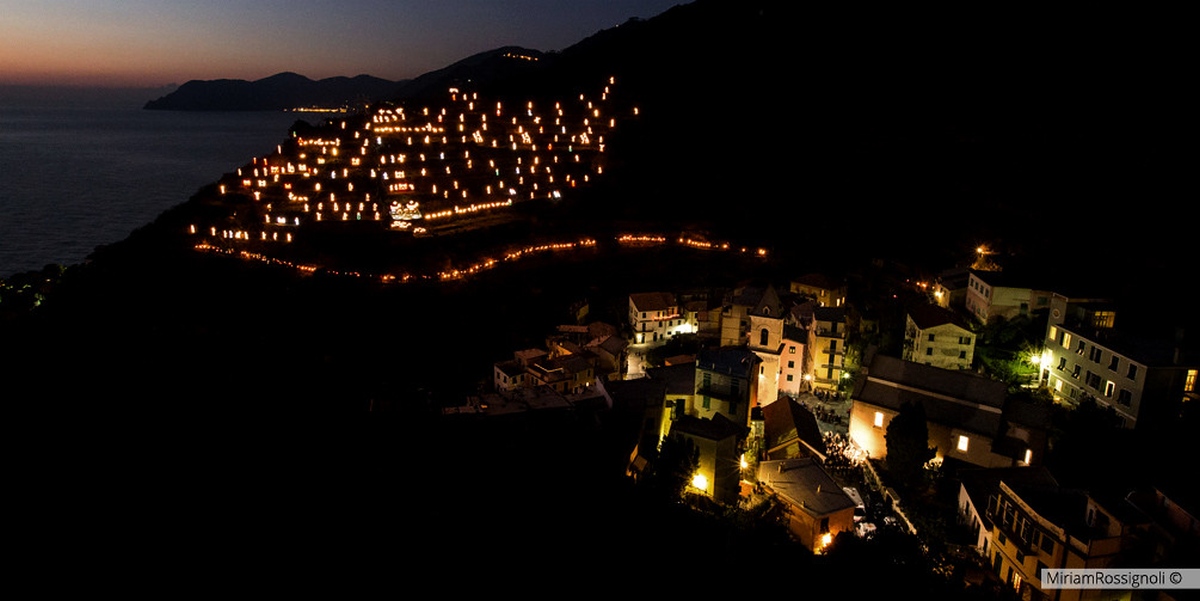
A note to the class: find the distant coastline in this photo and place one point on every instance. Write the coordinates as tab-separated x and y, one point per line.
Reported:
281	92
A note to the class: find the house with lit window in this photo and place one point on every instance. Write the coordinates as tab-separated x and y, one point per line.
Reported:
1143	376
816	508
531	368
679	393
938	337
827	347
999	294
949	288
717	441
820	288
656	317
969	416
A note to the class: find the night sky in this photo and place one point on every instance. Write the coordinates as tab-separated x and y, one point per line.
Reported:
149	43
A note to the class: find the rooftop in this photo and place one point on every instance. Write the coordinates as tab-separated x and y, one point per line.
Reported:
929	316
653	301
717	428
963	399
732	360
786	421
679	379
805	484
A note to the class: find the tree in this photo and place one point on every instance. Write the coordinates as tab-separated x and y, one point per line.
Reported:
677	461
908	449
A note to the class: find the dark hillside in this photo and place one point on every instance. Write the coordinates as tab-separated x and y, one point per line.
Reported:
858	129
829	138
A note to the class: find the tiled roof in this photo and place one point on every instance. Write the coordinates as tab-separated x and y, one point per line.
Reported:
805	484
786	420
928	316
717	428
981	483
653	301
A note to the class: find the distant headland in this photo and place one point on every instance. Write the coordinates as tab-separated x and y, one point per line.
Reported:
283	91
292	91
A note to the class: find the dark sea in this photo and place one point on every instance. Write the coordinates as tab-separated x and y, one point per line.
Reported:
81	168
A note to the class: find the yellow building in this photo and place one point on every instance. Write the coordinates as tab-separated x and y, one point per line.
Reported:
969	417
827	347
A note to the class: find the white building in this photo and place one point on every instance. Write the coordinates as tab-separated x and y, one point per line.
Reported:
656	317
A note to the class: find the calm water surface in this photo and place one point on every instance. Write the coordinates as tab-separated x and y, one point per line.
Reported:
84	168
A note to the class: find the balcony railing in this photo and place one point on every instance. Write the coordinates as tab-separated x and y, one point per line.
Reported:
1007	526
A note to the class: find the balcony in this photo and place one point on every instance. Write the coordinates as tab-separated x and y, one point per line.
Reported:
1007	527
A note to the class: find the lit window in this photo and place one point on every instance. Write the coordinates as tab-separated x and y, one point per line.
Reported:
878	419
1028	456
962	443
791	350
1108	388
1190	382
